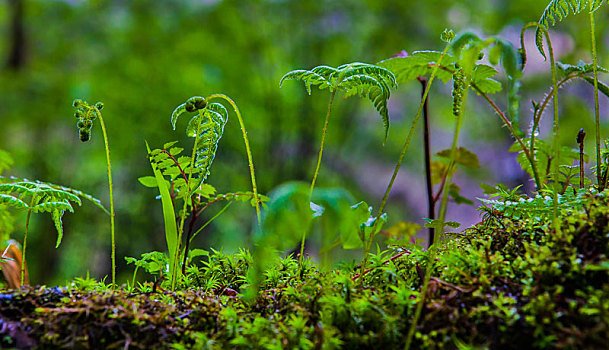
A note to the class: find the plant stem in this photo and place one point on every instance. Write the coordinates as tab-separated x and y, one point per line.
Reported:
27	228
599	176
248	150
109	169
528	153
581	135
413	125
431	203
187	201
441	217
317	167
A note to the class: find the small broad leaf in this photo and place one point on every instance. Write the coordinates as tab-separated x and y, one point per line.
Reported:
148	181
463	156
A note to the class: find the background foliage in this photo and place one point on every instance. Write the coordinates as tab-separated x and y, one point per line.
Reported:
143	57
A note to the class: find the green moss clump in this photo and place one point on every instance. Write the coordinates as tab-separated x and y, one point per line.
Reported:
509	282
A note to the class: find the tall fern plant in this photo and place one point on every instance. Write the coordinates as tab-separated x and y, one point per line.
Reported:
86	114
556	11
188	174
353	79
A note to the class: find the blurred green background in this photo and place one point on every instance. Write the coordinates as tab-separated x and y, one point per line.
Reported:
142	58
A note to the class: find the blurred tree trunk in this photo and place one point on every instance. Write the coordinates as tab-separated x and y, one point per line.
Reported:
16	54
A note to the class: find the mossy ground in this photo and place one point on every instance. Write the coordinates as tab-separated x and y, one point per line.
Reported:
510	282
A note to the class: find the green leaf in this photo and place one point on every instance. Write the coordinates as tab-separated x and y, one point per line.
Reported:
169	217
148	181
463	156
12	201
419	64
57	215
602	87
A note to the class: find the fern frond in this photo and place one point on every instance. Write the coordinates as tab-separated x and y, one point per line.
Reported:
361	79
207	127
38	197
557	10
317	76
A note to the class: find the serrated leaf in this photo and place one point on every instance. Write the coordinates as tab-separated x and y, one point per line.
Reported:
57	215
181	109
12	201
419	64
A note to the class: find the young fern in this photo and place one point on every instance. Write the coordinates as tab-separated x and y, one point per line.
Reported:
556	11
86	114
361	79
41	197
187	176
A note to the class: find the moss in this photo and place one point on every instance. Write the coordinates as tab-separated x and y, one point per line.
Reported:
505	283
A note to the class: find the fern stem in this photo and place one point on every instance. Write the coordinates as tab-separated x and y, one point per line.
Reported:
248	150
555	132
597	120
528	153
110	189
431	257
406	145
317	167
322	143
27	229
555	125
187	200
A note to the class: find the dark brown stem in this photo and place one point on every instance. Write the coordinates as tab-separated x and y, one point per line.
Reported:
581	135
191	227
431	212
16	56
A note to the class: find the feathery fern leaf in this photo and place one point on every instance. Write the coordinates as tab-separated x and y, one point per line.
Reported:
39	197
207	127
361	79
557	10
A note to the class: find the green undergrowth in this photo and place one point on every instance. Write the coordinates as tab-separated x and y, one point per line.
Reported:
509	282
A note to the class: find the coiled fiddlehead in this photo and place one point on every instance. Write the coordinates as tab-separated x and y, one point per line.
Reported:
207	127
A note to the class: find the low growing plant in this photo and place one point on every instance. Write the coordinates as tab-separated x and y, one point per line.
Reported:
41	197
182	178
361	79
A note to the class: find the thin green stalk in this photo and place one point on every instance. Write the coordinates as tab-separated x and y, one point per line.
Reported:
597	119
317	167
529	154
248	151
441	217
210	220
187	200
27	229
413	126
555	126
555	133
109	169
